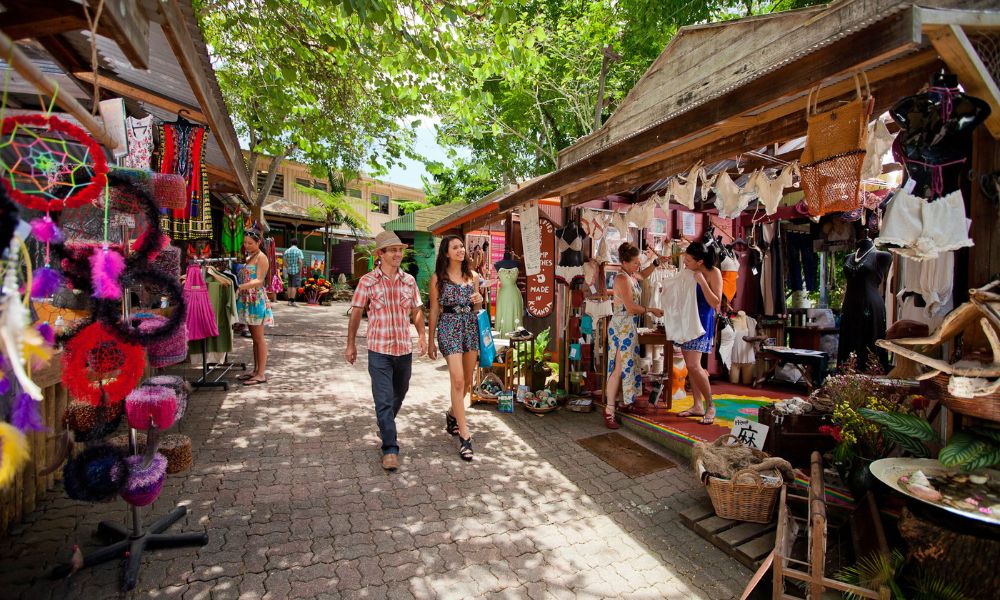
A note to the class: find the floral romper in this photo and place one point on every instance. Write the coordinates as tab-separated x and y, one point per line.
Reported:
457	332
623	337
252	304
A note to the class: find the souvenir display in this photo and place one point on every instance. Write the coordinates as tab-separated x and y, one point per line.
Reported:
973	495
144	481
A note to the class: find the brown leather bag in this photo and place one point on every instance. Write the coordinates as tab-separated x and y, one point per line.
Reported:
839	130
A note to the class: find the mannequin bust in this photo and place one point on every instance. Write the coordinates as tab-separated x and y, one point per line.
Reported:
507	262
863	312
570	265
936	135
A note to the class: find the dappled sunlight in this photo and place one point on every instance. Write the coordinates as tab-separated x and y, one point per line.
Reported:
287	481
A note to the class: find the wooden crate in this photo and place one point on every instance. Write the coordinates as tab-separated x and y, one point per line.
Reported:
748	543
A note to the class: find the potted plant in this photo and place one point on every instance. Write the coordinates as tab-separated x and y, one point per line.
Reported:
538	367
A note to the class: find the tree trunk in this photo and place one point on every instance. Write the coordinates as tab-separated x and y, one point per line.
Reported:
257	208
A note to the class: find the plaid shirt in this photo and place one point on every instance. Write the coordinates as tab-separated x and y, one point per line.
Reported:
390	305
293	260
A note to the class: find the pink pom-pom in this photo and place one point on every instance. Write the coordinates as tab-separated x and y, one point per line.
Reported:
26	415
48	334
106	267
45	283
44	229
163	243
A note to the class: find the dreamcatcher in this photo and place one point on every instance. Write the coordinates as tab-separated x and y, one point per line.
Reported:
49	164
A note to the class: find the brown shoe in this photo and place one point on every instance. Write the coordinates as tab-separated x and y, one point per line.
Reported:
390	462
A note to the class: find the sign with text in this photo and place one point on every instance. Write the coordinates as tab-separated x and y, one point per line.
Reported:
541	287
749	433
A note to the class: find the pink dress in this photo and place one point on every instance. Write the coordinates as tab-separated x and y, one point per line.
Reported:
201	321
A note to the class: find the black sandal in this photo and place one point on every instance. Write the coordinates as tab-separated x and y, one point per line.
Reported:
465	449
450	424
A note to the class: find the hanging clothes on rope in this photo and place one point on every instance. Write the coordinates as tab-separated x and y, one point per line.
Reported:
140	143
182	153
232	231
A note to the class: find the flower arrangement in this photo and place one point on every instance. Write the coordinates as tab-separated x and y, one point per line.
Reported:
314	288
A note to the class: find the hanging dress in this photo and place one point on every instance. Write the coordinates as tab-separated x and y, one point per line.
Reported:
252	304
140	143
182	153
863	317
201	321
510	305
623	345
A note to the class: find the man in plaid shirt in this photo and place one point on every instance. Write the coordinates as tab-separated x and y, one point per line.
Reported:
392	299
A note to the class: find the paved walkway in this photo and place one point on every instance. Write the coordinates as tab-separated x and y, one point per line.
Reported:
288	484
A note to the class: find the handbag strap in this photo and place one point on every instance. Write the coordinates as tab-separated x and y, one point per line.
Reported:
812	100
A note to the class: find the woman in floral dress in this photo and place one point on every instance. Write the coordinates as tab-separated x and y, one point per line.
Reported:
455	302
252	304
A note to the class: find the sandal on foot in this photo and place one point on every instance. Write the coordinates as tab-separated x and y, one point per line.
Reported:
465	448
255	381
609	421
244	377
708	418
450	424
690	413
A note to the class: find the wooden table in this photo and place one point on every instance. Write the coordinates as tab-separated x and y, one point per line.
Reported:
812	363
641	406
808	338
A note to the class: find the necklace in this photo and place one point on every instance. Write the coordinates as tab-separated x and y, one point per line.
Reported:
857	258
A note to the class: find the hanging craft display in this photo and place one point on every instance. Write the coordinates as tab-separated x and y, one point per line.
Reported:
151	406
49	164
180	387
14	453
96	474
97	365
144	482
89	422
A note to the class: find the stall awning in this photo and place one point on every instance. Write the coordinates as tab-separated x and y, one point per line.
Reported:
486	211
720	90
423	219
151	54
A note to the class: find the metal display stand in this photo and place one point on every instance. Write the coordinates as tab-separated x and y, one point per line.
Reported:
132	543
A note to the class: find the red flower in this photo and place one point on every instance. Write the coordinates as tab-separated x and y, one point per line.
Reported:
831	431
302	290
919	402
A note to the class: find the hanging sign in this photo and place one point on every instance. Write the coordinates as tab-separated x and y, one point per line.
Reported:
541	287
531	240
749	433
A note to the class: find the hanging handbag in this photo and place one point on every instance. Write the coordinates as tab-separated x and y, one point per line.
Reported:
487	350
841	129
835	151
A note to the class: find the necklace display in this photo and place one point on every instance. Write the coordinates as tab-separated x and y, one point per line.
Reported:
857	258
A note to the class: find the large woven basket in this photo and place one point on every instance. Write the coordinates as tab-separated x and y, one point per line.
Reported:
742	501
833	184
983	407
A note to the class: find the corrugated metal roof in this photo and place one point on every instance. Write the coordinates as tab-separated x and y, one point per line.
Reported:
423	219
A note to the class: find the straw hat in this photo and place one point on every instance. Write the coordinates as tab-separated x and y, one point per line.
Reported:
387	239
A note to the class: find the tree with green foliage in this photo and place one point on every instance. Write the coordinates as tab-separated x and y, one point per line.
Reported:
462	181
335	209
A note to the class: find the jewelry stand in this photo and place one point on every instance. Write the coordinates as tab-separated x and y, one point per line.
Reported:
132	544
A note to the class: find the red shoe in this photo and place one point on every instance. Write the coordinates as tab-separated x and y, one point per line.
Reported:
609	421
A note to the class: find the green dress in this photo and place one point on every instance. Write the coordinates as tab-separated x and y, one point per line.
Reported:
510	305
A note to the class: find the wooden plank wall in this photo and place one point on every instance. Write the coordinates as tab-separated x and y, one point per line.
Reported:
984	257
29	489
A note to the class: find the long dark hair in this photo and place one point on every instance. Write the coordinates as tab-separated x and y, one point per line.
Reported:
700	251
441	265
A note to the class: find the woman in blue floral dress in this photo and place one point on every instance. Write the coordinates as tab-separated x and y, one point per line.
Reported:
251	303
455	302
623	335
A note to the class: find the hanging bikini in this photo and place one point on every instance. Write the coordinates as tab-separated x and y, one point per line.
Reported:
730	199
683	192
770	191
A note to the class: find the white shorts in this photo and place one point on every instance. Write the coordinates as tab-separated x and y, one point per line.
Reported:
924	229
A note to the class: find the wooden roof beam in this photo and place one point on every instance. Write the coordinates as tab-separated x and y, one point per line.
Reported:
179	36
961	57
123	21
882	41
124	88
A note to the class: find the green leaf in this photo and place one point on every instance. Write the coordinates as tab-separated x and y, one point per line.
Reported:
911	445
987	432
963	448
989	458
901	423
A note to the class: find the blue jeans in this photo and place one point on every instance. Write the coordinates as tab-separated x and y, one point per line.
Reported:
803	262
390	382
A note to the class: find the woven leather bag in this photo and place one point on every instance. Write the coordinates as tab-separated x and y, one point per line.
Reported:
839	130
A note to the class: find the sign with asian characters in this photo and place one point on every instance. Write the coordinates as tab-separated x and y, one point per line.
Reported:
541	287
749	433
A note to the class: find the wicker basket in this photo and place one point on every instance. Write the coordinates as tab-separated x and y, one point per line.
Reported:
540	411
754	501
982	407
840	129
833	184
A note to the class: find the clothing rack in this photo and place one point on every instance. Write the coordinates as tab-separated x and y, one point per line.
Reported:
208	368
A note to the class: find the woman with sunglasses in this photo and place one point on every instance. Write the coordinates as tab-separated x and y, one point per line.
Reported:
252	304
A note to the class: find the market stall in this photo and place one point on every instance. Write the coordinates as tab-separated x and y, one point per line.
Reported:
843	160
100	213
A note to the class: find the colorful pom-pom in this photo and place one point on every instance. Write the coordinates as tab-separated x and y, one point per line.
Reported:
106	267
45	282
26	415
14	453
44	229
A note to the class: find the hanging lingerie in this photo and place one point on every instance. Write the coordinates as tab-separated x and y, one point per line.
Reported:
879	142
618	222
683	193
771	191
730	199
598	309
641	215
730	268
707	181
932	280
925	229
570	264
